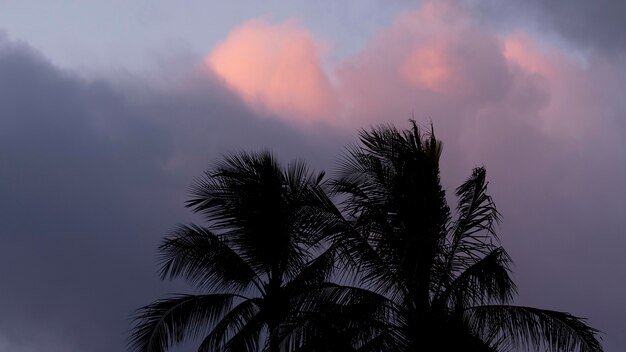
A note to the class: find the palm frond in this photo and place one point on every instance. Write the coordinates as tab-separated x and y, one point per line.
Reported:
318	219
473	231
334	294
533	327
315	273
384	341
248	338
374	271
230	325
172	320
205	260
486	281
339	318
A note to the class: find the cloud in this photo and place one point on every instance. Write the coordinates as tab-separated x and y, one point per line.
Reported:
598	25
276	68
436	64
92	175
584	26
440	63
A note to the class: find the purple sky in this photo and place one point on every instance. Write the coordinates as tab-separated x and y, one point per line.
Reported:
109	110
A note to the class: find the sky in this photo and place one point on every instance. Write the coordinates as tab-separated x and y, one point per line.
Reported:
110	110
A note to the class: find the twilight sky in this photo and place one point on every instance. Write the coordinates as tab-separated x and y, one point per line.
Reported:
109	110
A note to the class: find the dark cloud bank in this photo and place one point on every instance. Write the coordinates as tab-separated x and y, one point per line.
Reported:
91	177
592	25
93	174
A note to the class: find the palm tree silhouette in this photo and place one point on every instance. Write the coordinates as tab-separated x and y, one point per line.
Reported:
444	281
258	256
282	269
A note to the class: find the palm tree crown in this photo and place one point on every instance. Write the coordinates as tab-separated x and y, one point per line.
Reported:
446	280
280	268
254	260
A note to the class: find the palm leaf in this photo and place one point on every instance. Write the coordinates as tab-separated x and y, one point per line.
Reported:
340	318
533	327
230	325
316	272
373	270
248	338
472	232
204	259
172	320
487	280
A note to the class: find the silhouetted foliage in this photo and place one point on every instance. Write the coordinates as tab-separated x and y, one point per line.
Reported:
446	280
284	270
255	260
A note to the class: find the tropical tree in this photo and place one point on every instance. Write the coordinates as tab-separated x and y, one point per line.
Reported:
261	251
281	268
443	281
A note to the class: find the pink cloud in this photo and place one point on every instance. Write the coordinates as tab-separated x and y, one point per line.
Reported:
580	90
428	67
433	61
436	62
276	68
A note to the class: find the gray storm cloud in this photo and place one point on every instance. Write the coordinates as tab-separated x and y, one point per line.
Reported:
91	177
596	25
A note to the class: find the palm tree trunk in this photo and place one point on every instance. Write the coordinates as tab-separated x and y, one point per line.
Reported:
275	305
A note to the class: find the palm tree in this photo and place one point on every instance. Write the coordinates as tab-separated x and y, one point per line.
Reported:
423	279
444	281
260	253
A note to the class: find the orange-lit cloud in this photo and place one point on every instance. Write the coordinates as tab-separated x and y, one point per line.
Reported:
577	102
276	68
433	62
520	49
427	67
